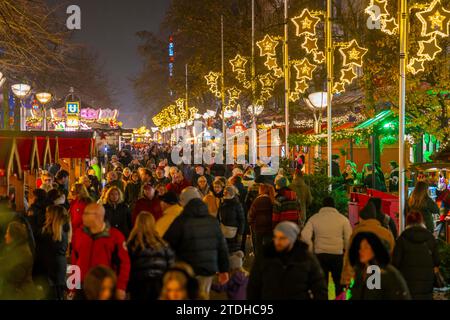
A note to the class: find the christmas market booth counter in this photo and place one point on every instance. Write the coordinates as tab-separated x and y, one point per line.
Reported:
22	154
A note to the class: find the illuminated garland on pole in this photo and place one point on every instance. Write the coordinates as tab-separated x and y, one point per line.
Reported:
174	116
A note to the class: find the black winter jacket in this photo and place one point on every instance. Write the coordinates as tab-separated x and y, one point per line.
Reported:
288	275
149	263
415	255
196	238
231	214
119	217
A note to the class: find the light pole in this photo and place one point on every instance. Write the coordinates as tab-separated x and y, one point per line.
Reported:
329	42
317	101
44	98
253	151
287	90
21	91
2	80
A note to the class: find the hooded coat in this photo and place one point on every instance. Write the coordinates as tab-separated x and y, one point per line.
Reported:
415	255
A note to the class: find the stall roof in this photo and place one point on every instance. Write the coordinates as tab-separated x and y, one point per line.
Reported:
383	115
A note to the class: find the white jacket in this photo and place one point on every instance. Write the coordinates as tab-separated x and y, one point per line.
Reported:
327	231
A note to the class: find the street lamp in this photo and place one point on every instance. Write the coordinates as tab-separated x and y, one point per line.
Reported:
21	91
44	98
317	101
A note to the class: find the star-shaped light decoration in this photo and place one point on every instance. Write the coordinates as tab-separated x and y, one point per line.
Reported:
241	77
267	81
278	73
310	44
271	63
389	26
234	93
304	69
267	46
416	65
265	95
192	113
238	63
338	87
435	20
211	78
429	49
382	5
319	57
305	23
353	54
348	75
182	112
301	86
247	85
295	96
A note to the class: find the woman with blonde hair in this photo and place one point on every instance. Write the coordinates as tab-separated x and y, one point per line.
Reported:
117	212
260	217
179	283
51	248
81	199
215	197
150	257
420	201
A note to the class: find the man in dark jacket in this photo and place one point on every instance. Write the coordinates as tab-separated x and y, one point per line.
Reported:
286	270
196	238
61	182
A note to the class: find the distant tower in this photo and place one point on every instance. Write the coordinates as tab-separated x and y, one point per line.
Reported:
171	63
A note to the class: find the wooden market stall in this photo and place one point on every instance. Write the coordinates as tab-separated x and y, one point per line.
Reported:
22	154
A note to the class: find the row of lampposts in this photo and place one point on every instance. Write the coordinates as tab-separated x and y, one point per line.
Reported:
21	91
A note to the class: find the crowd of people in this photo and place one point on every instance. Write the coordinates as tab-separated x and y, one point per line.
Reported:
152	230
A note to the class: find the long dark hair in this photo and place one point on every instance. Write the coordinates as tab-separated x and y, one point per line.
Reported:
379	248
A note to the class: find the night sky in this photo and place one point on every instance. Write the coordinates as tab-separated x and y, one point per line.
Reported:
109	27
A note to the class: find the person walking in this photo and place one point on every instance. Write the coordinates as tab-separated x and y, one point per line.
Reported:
99	244
416	256
36	212
61	183
385	220
260	218
117	213
171	210
203	186
132	190
51	248
80	200
286	206
327	234
303	192
197	239
420	201
368	223
178	183
215	197
286	270
149	202
368	250
232	220
150	257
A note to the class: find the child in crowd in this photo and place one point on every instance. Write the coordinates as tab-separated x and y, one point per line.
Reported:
236	288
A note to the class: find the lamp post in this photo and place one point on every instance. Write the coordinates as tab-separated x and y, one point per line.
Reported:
317	101
21	91
287	84
44	98
2	80
329	42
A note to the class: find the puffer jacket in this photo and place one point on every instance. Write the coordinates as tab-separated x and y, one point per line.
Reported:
119	217
197	239
149	263
231	214
289	275
286	207
415	255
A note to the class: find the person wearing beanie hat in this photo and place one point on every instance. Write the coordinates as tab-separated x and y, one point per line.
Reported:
236	288
286	269
367	223
187	194
232	218
171	210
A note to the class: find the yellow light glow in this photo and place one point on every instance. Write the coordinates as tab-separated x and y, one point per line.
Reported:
267	46
295	96
267	80
348	75
304	69
435	20
211	78
310	44
234	93
279	73
382	5
353	54
389	26
319	57
338	87
271	63
429	49
416	65
238	63
301	86
305	23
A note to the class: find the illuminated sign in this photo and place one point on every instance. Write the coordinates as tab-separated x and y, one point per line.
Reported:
72	108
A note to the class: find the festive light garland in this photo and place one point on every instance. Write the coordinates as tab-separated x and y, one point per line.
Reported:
174	116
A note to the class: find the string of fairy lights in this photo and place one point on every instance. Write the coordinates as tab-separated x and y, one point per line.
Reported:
435	20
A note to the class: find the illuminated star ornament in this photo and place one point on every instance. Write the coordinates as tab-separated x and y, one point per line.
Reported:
234	93
301	86
353	54
211	78
305	23
304	69
389	26
310	44
319	57
267	81
267	46
238	63
348	75
435	20
429	49
416	65
338	87
271	63
373	7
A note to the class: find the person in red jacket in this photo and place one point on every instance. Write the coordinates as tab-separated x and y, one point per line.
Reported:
149	202
80	200
178	183
99	244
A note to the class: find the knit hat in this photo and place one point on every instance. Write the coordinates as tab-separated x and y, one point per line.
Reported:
368	212
281	182
188	194
236	260
289	229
